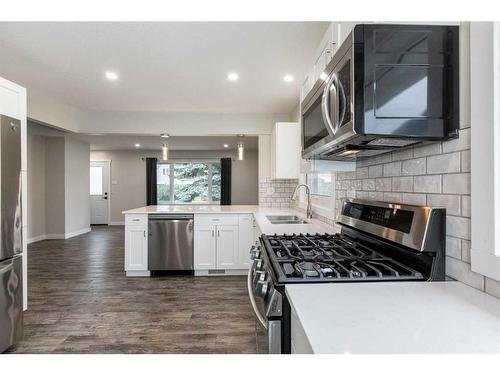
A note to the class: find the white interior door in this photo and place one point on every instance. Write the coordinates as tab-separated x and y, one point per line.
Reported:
99	192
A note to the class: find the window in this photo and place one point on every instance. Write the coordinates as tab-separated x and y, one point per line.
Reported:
96	187
188	182
320	183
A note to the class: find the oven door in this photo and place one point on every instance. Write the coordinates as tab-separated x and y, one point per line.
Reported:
267	305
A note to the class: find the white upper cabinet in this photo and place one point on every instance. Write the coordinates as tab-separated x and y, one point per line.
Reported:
285	150
344	28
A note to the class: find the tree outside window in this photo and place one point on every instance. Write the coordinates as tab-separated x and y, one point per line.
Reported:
188	182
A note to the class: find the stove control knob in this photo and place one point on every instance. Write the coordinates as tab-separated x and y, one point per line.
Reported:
259	264
258	276
255	253
262	288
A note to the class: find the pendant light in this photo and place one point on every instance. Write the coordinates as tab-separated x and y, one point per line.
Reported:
164	152
241	148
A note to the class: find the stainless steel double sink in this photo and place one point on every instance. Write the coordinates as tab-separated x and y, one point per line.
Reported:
286	219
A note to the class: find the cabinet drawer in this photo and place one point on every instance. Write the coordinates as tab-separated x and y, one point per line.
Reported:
136	219
225	219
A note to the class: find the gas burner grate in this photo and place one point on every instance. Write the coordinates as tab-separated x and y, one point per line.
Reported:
332	257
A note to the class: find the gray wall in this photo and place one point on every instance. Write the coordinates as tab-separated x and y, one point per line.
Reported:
128	176
36	186
54	188
58	183
77	187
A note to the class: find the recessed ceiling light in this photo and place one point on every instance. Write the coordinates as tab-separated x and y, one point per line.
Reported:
226	145
137	145
112	76
164	135
233	76
288	78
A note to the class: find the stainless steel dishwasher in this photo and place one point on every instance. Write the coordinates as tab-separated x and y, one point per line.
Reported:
170	243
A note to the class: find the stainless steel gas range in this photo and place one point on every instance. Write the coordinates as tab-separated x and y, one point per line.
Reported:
378	242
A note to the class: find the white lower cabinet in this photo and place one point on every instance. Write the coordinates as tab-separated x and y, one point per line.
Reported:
204	247
227	247
136	248
247	238
222	242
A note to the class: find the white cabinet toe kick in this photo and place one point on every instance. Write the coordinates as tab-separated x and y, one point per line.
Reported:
221	244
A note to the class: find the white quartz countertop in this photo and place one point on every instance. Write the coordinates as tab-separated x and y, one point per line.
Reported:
260	214
397	317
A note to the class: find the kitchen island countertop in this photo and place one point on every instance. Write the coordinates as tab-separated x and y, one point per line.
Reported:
397	317
260	215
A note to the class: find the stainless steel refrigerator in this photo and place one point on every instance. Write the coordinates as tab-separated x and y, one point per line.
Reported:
11	246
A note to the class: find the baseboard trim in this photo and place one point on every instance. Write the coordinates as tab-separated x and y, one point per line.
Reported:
43	237
77	233
220	273
36	238
138	273
116	223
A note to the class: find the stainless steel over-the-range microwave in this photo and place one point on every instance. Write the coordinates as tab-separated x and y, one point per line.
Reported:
387	87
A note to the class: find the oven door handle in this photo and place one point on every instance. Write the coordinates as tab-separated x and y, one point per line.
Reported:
325	105
256	311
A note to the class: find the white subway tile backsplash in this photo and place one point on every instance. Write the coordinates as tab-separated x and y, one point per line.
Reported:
430	149
458	144
427	184
376	171
414	167
362	172
465	164
466	205
376	195
457	226
403	154
392	169
368	185
461	271
276	193
453	247
492	287
445	163
450	202
404	184
466	251
414	198
383	184
393	197
458	183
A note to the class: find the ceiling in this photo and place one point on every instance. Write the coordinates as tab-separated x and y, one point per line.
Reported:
163	66
110	142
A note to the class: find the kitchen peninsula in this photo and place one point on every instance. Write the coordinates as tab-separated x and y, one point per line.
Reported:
223	235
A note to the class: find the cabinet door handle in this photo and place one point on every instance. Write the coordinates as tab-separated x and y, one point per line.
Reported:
144	234
218	233
212	232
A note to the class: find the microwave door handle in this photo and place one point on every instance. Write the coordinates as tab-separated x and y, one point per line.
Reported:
344	105
325	105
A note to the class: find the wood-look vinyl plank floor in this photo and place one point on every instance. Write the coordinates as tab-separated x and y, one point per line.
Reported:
81	302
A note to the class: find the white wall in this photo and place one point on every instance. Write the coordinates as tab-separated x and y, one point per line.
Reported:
45	109
128	176
77	187
180	124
